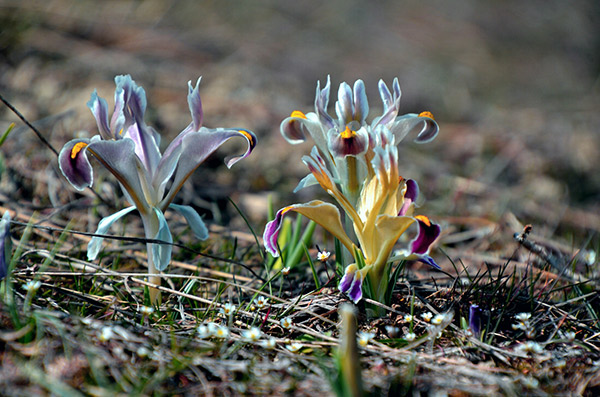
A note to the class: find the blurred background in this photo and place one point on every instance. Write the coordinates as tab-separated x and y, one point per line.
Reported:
514	86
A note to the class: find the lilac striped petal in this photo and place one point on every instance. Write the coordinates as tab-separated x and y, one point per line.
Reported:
99	109
344	106
348	278
195	104
355	292
321	103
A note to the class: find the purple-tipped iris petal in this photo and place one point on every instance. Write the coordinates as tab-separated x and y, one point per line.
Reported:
292	128
410	196
428	233
348	278
74	164
4	244
475	319
272	232
355	292
403	125
426	259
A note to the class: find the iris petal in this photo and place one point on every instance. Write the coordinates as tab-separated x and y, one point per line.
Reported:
99	109
403	125
75	165
95	243
193	219
346	281
325	214
195	104
161	253
4	244
428	233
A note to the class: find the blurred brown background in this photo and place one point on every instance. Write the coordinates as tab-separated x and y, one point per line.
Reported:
513	84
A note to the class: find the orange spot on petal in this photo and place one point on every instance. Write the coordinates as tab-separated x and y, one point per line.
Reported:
77	148
423	219
347	133
298	114
426	114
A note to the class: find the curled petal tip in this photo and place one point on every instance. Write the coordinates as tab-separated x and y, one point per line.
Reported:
74	164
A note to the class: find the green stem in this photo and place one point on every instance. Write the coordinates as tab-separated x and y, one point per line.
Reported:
151	227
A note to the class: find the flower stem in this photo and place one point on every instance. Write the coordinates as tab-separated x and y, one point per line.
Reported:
151	226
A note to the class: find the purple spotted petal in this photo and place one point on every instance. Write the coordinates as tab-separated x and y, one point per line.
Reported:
75	166
195	104
410	196
428	233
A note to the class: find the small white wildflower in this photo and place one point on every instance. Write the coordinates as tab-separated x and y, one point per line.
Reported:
285	271
32	286
589	257
570	336
268	344
260	302
203	331
106	334
531	347
408	318
294	347
392	331
286	322
530	382
323	256
438	319
146	310
227	309
523	317
221	332
364	338
253	334
468	333
520	326
427	316
410	336
142	351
